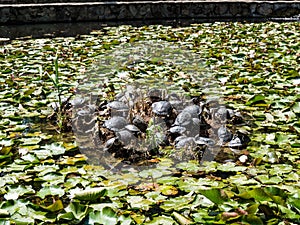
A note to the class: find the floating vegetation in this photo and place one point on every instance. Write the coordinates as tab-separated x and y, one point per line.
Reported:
46	177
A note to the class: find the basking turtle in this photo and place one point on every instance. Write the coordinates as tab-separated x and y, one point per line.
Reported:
235	117
224	134
184	142
139	122
183	119
125	137
239	140
112	144
118	108
177	130
115	123
162	108
155	95
133	129
87	111
176	101
193	110
204	141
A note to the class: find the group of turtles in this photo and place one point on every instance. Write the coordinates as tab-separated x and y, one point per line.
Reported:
135	127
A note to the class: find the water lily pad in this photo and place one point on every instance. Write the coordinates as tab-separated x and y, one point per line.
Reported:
254	100
56	206
91	194
50	190
30	141
161	220
13	193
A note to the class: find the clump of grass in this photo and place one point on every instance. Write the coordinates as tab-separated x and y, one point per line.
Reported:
60	107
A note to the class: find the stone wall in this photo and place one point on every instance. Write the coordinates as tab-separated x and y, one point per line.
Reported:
144	10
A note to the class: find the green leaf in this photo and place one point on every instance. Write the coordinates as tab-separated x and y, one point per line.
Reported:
51	191
13	193
4	213
138	202
178	203
255	99
106	216
182	220
91	194
259	194
161	220
168	190
265	179
217	196
56	206
77	210
252	209
31	141
55	149
294	202
5	222
296	107
253	219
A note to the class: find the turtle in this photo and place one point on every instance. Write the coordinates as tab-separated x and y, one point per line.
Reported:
125	137
112	144
204	141
193	110
224	134
176	101
183	119
221	115
87	111
133	129
235	117
184	142
155	95
162	108
118	108
139	122
177	130
239	140
115	123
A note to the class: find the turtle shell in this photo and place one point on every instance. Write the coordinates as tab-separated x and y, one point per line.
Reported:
222	114
193	110
118	105
204	141
132	128
239	140
125	137
115	123
140	123
183	119
112	143
224	134
185	142
154	95
162	108
177	130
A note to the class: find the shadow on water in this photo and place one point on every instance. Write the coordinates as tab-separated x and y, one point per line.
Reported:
41	30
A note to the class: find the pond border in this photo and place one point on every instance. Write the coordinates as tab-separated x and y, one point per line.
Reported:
145	10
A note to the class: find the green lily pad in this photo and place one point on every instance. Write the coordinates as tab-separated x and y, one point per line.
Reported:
91	194
256	99
50	191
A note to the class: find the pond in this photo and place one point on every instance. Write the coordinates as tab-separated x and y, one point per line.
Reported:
50	174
